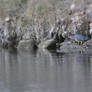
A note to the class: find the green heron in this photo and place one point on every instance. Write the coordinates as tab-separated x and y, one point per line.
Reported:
78	38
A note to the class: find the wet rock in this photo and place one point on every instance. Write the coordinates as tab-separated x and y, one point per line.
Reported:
68	47
88	43
26	45
48	44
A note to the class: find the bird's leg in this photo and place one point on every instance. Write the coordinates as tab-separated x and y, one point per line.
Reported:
78	42
81	42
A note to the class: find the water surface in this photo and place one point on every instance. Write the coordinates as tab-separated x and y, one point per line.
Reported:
45	71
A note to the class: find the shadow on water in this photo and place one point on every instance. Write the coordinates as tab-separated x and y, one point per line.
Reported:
45	71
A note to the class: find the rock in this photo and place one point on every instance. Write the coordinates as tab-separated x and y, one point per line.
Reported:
68	47
48	44
88	43
26	45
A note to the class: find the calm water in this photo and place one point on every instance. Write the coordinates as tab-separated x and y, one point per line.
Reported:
45	71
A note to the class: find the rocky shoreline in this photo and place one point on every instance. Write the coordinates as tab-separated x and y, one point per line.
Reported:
70	34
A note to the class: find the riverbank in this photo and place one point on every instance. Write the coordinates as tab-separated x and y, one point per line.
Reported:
22	32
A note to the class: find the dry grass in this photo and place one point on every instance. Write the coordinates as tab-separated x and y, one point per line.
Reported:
36	17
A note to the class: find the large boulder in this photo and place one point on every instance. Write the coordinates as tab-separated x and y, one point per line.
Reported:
26	45
68	47
88	43
48	44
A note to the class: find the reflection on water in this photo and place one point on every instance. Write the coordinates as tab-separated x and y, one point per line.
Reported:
45	71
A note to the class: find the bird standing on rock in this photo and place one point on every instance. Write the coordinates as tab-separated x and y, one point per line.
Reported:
80	39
